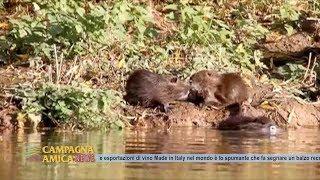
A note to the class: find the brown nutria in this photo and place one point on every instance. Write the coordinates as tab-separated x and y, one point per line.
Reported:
232	89
220	90
204	86
150	89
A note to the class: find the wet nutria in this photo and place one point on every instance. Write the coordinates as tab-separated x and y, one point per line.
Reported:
257	124
150	89
220	90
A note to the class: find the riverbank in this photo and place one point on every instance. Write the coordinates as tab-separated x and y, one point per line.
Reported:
65	64
285	109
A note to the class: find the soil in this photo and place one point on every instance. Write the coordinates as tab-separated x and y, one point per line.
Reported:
285	110
295	47
6	117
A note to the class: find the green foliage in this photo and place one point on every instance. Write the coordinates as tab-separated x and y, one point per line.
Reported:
70	106
130	29
77	27
315	6
64	23
197	27
288	15
288	12
292	72
81	27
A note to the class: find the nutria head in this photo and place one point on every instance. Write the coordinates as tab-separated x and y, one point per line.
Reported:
270	128
257	127
203	85
250	124
178	89
203	79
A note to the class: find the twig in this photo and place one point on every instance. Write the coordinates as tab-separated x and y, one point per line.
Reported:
308	67
312	72
6	95
314	63
60	66
71	71
313	19
57	64
50	73
290	116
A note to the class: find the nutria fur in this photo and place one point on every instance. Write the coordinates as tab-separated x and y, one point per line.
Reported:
220	90
204	86
232	89
239	122
149	89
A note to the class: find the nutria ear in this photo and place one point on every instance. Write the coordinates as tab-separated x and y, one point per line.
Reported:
174	80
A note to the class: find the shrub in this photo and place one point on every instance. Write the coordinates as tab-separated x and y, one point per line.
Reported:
67	106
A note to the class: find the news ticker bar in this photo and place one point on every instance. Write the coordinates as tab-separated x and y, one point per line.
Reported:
209	158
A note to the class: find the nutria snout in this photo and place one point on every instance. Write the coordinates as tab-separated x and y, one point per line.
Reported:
149	89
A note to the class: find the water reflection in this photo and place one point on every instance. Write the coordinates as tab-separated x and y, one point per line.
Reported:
16	149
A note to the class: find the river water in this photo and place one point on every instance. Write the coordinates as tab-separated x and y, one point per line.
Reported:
17	147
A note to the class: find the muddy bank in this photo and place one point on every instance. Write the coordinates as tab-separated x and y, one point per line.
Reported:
295	47
7	116
286	112
284	109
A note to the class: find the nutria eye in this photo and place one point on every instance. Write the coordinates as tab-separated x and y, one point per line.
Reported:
190	81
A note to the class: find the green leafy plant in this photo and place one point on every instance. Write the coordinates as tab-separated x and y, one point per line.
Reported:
288	16
292	72
67	106
71	25
288	12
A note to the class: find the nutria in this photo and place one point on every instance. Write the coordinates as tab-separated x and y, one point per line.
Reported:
220	90
257	124
149	89
232	89
203	87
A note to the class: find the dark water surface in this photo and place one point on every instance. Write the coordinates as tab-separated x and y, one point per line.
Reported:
17	148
